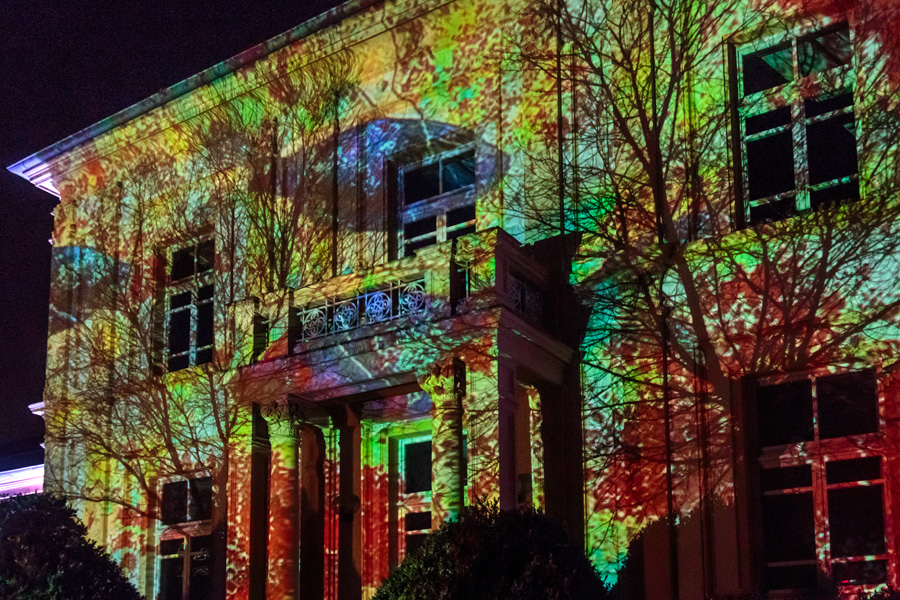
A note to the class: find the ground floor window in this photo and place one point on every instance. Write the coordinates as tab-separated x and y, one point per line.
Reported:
185	546
821	482
413	494
185	564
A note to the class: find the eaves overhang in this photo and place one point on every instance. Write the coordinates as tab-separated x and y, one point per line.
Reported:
36	168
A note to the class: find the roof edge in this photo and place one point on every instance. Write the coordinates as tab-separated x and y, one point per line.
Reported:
34	167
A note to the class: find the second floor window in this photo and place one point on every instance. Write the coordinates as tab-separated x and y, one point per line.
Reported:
797	124
437	199
189	306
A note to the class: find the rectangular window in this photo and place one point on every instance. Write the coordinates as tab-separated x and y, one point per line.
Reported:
185	551
185	564
797	124
820	482
414	493
186	500
189	306
437	199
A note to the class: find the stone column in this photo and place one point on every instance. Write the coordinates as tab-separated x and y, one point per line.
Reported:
491	421
283	538
446	385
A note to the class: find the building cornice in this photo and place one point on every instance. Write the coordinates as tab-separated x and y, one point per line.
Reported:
36	168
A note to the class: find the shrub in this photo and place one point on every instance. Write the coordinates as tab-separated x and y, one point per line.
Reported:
45	555
491	554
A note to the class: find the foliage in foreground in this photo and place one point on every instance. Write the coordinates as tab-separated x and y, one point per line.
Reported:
491	554
45	555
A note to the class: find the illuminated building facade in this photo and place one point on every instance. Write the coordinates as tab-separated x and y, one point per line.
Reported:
632	263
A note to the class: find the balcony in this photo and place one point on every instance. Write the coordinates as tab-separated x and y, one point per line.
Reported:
480	273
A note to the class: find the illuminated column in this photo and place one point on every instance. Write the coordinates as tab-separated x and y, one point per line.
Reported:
491	422
446	386
238	533
347	505
283	537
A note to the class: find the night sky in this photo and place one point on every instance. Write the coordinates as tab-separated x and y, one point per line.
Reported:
66	65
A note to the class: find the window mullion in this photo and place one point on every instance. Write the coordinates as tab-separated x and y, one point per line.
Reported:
186	569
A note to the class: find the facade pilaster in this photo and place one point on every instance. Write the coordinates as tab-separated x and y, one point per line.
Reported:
283	533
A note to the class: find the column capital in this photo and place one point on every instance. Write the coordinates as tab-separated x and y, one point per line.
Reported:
282	418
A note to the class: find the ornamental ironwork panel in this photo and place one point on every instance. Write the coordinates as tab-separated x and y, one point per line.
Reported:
526	298
397	299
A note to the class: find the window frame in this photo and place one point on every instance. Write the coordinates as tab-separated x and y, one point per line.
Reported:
438	206
415	502
192	285
190	531
794	94
817	454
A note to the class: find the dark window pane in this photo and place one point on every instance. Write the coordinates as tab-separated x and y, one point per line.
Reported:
419	228
832	149
769	212
824	51
201	544
414	541
858	469
786	478
767	69
797	577
170	578
182	264
834	195
860	572
421	183
459	171
825	104
419	520
464	214
179	300
784	413
770	165
204	325
206	256
176	363
200	588
203	357
856	521
770	120
205	293
201	499
417	467
788	531
174	502
167	547
179	331
848	404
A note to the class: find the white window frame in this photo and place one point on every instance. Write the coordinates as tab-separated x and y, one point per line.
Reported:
409	502
834	81
438	206
192	285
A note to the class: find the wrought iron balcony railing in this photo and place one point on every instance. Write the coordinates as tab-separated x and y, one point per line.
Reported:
397	299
